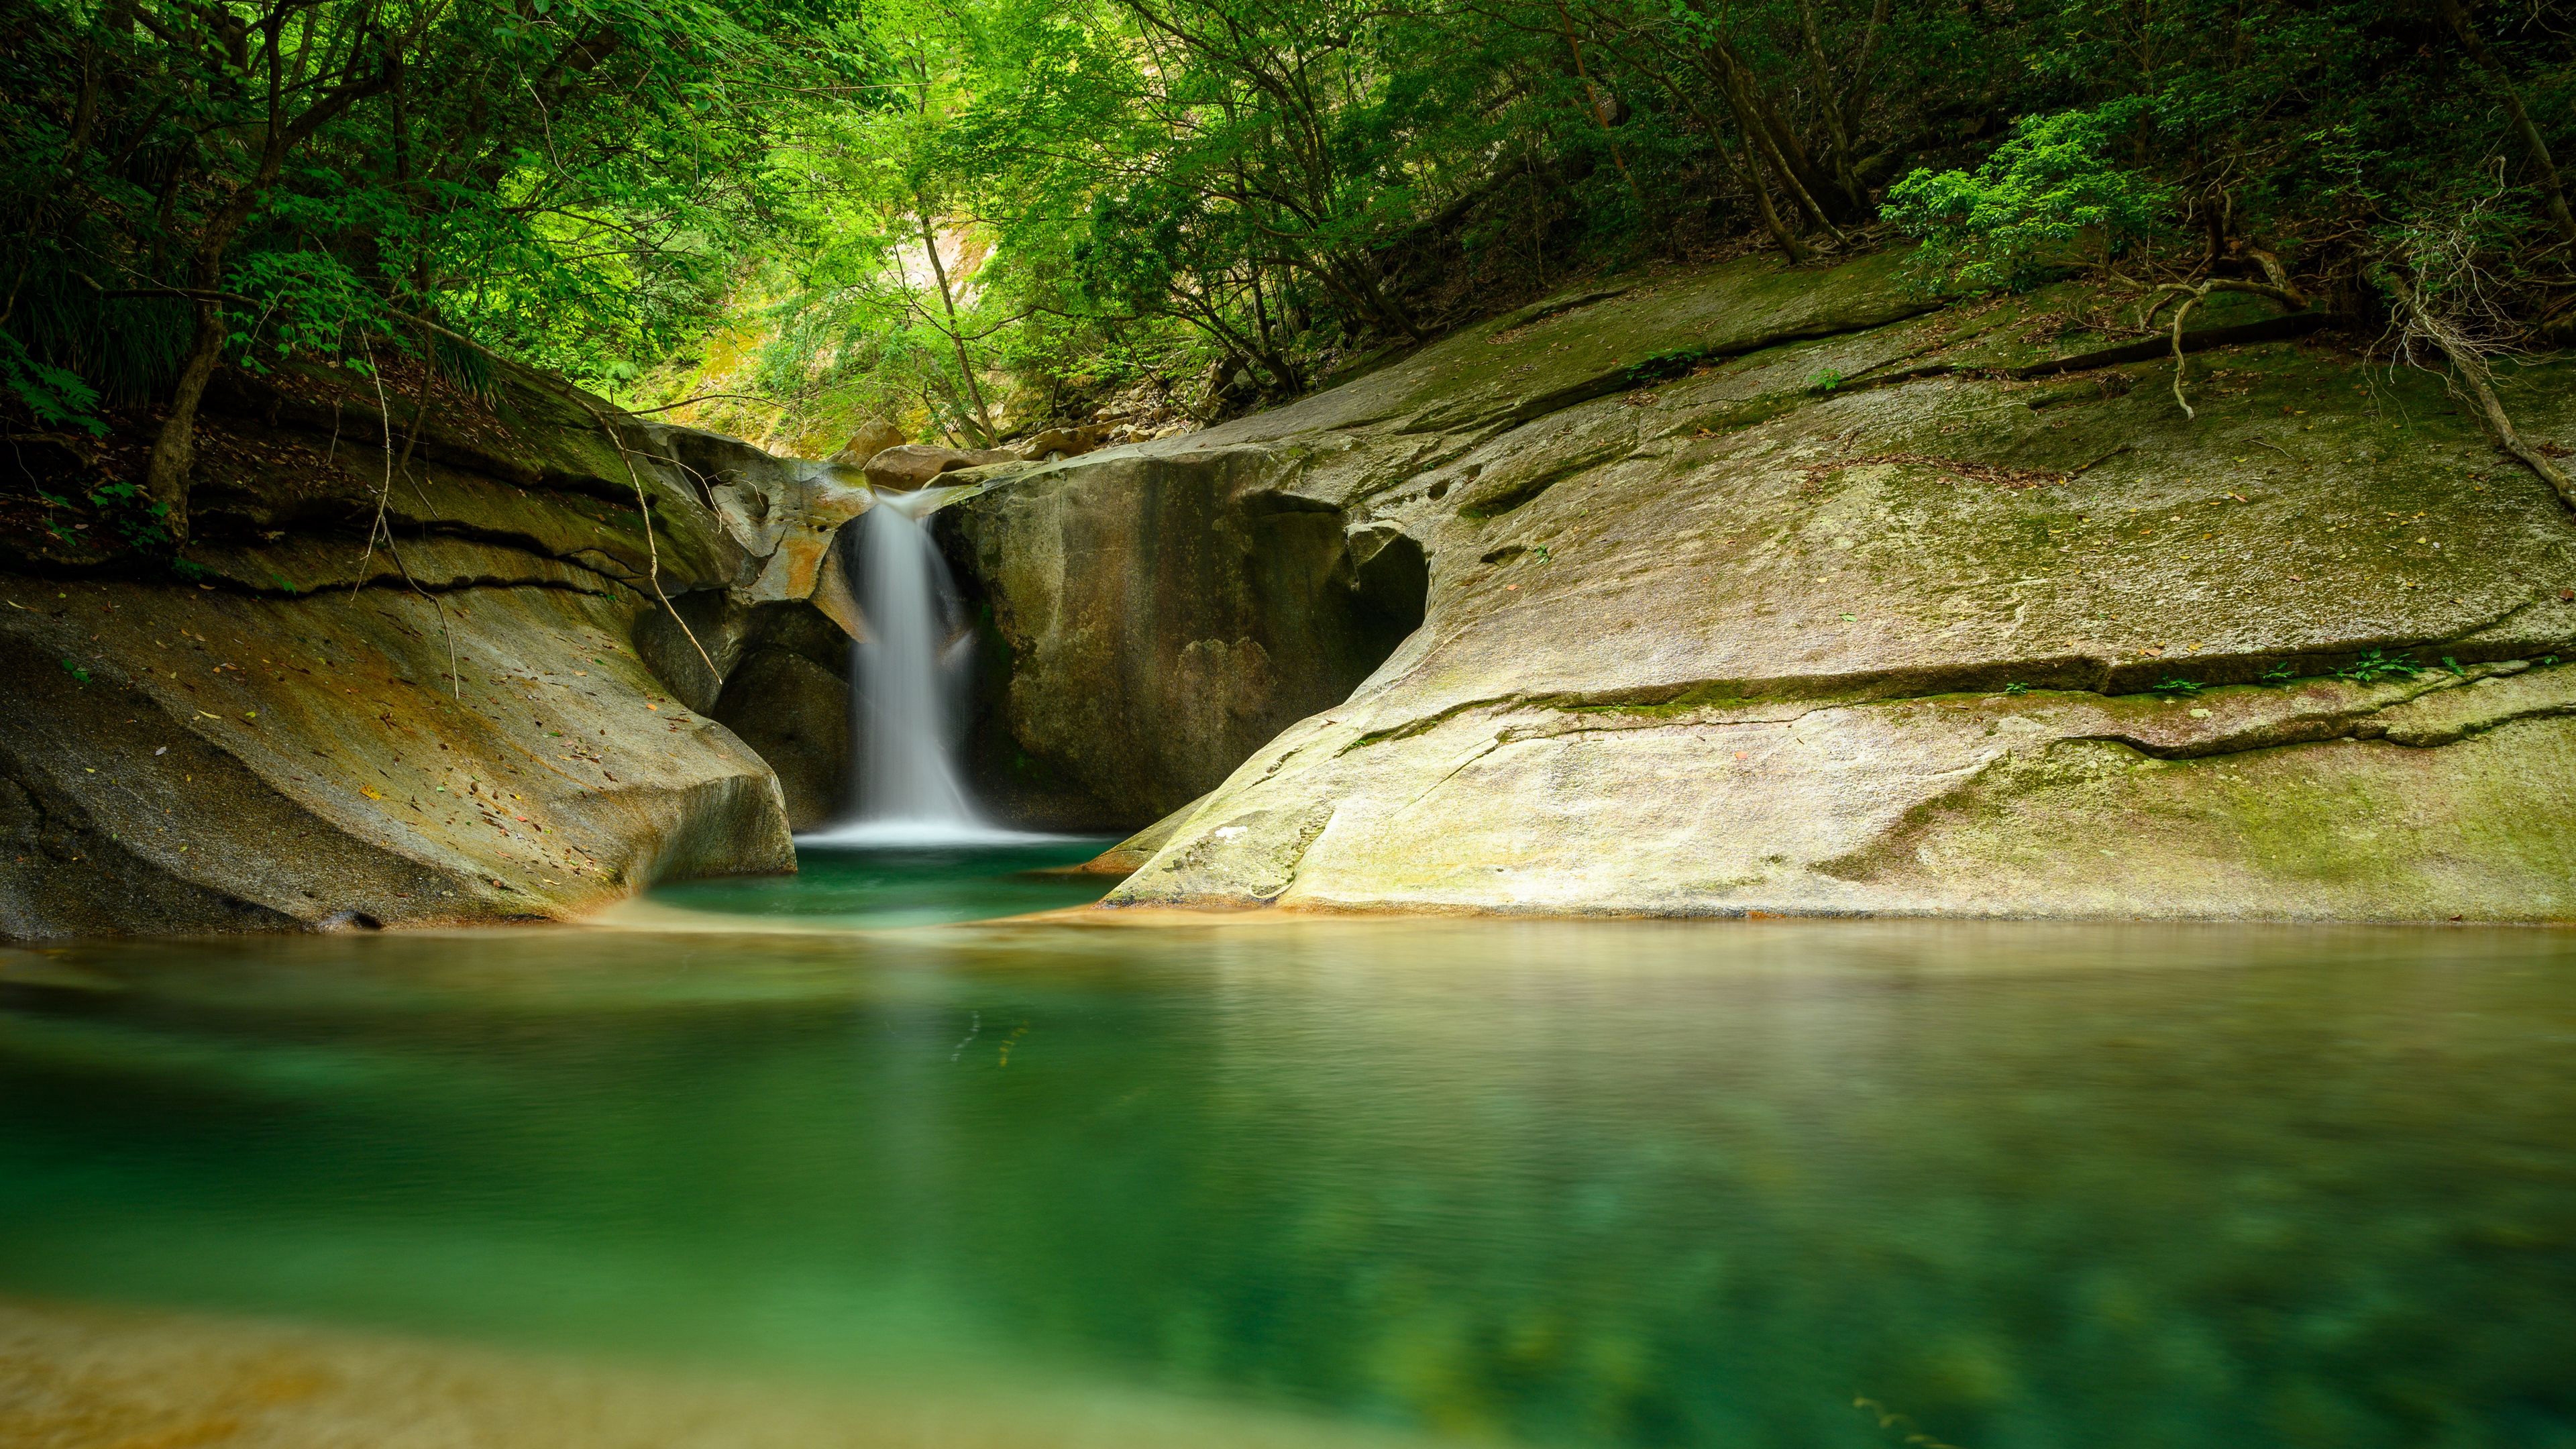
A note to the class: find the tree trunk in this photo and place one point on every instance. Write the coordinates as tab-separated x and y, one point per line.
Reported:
1779	141
1837	131
2552	193
174	449
1749	175
948	303
1855	94
1599	111
1760	141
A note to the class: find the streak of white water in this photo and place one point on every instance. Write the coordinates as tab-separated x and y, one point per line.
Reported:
904	686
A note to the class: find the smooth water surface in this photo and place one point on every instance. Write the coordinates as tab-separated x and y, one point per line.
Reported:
1725	1184
914	884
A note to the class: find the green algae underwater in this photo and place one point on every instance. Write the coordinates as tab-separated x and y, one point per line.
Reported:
1793	1183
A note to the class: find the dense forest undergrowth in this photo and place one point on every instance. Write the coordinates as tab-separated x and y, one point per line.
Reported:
971	218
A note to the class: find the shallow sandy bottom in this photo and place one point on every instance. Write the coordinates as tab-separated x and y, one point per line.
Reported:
84	1377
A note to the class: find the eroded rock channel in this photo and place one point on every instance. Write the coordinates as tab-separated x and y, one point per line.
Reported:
1744	590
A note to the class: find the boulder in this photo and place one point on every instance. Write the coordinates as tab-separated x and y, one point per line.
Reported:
810	509
794	712
915	465
1051	443
1163	616
1755	590
182	758
496	712
873	437
1124	858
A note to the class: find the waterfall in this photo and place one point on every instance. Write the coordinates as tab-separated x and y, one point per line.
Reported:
906	681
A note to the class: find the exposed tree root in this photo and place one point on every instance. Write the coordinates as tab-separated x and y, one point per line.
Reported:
2193	294
2469	364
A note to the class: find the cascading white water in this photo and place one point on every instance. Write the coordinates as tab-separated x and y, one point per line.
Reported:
905	681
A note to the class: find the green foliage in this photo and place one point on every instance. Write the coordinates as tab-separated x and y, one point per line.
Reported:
2377	665
2045	200
1824	380
2179	688
570	182
968	215
141	522
53	396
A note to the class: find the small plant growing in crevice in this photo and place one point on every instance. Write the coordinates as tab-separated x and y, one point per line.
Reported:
2179	688
2278	674
2377	665
2016	688
1824	380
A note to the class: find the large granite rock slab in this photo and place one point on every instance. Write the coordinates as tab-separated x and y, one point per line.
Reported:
1766	590
181	759
513	705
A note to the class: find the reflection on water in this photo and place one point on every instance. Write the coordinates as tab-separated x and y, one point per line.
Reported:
914	885
1603	1184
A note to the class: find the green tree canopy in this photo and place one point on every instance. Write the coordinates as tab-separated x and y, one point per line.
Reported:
975	212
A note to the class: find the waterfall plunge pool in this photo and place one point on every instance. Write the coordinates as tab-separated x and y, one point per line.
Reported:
875	1181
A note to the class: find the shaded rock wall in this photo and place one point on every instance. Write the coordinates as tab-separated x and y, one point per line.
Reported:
781	683
1161	616
1757	590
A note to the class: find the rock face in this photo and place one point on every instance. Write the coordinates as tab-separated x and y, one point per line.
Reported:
487	718
1755	590
1165	614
